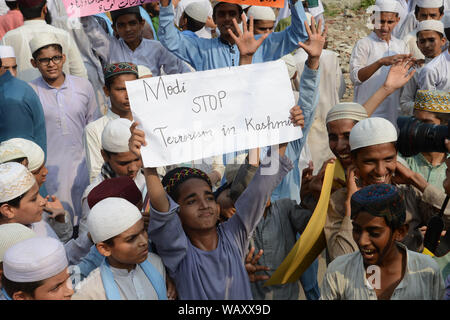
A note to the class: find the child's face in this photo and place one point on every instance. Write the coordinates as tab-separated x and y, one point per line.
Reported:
40	175
130	247
124	164
117	93
428	14
45	62
263	26
429	43
129	28
376	164
30	208
384	23
338	139
58	287
374	238
198	208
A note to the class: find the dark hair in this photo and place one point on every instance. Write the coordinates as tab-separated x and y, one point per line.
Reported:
122	12
192	24
14	202
215	7
417	8
110	241
447	33
32	12
54	46
109	153
12	287
11	4
108	82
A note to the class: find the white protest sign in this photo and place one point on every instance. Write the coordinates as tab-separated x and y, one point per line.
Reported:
197	115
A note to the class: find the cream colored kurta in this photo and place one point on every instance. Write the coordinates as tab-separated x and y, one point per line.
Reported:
133	285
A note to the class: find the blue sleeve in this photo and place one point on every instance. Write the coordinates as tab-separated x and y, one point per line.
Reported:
278	44
308	99
185	48
166	232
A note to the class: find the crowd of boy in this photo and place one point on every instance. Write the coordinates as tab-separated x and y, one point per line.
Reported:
81	217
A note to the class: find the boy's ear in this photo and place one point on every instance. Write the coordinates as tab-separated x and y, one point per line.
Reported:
7	211
104	249
33	63
20	295
401	232
104	156
106	91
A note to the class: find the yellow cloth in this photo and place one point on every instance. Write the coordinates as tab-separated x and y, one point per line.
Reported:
312	242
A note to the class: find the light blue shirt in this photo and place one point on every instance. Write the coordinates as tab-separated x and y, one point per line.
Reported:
205	54
308	99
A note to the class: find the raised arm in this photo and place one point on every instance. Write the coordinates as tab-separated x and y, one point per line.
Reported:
99	39
398	76
185	48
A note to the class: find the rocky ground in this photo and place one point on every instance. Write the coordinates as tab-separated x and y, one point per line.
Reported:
346	25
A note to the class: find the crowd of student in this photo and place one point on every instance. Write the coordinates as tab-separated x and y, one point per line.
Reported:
81	218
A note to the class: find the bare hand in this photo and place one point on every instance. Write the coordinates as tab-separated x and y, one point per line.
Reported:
171	289
307	175
316	41
246	41
399	74
403	175
137	139
297	117
252	267
389	61
55	208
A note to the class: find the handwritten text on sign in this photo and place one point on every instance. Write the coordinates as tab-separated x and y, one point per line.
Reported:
197	115
82	8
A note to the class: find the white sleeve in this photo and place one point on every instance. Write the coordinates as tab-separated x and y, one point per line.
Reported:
358	60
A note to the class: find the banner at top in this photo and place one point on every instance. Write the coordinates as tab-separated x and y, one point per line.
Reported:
266	3
82	8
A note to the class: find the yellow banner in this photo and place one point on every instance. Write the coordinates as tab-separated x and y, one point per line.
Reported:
312	241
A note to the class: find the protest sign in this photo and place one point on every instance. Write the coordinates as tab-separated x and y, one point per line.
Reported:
197	115
266	3
82	8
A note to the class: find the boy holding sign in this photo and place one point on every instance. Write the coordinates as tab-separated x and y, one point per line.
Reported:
188	215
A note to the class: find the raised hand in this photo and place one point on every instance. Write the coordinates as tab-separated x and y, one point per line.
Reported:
315	43
252	267
352	187
245	41
400	74
137	139
55	208
297	117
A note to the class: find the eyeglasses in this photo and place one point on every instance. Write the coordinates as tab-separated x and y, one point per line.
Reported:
46	61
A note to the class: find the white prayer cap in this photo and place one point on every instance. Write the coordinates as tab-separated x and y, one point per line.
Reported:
12	233
110	217
430	3
7	52
42	40
34	259
10	152
143	71
372	131
291	64
33	151
347	110
386	6
15	180
434	25
116	134
261	13
197	11
446	19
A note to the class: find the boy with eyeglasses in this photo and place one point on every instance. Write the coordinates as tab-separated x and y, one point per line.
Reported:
69	105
